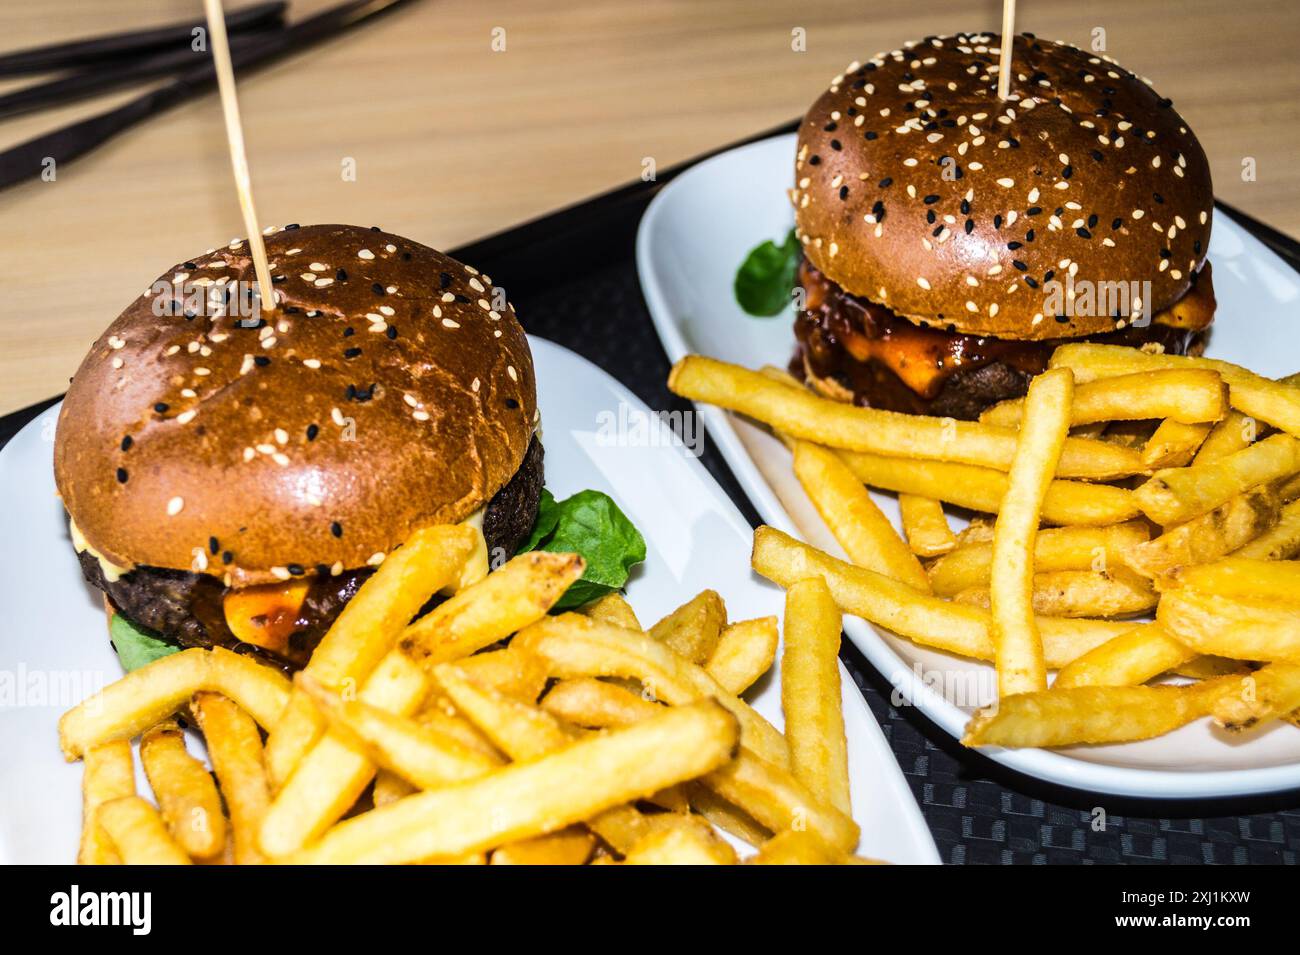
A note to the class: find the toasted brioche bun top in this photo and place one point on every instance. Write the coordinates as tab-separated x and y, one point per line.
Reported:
392	388
917	188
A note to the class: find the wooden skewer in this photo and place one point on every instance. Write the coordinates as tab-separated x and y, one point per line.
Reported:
1008	41
238	157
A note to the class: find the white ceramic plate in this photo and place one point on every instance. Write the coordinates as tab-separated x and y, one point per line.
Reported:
54	635
692	238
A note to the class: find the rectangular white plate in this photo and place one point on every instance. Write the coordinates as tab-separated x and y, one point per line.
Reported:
54	634
691	240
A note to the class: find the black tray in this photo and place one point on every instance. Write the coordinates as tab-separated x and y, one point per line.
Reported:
572	278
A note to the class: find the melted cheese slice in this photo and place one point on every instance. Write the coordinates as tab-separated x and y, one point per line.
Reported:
112	572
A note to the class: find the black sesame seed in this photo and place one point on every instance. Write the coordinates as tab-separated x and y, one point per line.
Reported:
291	226
970	226
844	193
1063	319
836	145
378	289
213	544
869	135
127	441
1047	276
160	407
997	221
336	529
930	217
931	199
444	279
511	403
349	332
1013	245
1031	281
261	361
227	556
1116	223
1033	210
391	332
814	160
886	182
352	353
1020	266
295	569
406	256
1029	236
341	275
322	570
830	127
1083	233
121	475
312	431
1092	221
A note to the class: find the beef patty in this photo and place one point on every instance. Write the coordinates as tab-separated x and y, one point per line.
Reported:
188	608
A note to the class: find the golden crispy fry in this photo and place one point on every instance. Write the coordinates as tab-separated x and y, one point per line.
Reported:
1055	548
690	843
1267	694
693	629
571	846
587	701
577	646
140	699
366	630
982	489
792	847
1207	667
109	774
439	715
925	526
186	794
1189	395
546	794
1229	627
802	414
1043	429
1174	444
1176	495
1235	432
1227	528
810	692
745	651
1267	580
510	670
420	755
727	817
862	530
612	608
1144	652
390	787
1079	593
235	748
138	833
1272	402
929	621
505	601
1092	714
1279	542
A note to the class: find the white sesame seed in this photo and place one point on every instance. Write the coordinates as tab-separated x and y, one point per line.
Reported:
376	558
922	281
1006	182
312	363
185	417
280	573
318	266
365	254
281	436
174	506
510	370
448	323
420	415
280	459
337	417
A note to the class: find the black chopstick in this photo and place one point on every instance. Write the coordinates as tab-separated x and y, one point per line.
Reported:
91	50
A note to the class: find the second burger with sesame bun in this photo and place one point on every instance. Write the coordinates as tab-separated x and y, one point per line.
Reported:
948	241
231	480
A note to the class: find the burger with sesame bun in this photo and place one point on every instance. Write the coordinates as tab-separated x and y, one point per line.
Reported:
947	241
233	477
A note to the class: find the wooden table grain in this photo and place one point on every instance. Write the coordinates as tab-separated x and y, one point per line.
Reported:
452	137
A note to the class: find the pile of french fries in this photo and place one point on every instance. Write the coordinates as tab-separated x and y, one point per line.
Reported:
1126	484
486	731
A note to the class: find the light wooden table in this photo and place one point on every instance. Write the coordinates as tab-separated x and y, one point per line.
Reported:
453	140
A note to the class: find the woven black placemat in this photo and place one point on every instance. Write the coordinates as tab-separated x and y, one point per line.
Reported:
573	280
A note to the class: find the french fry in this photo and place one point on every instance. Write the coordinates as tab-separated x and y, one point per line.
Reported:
1174	443
792	847
925	526
109	774
578	646
235	748
441	716
138	833
543	795
727	817
1269	693
1092	714
1234	433
612	608
1269	581
1187	395
510	670
126	708
1176	495
1017	642
187	796
1055	548
693	629
505	601
571	846
1229	527
810	692
1079	593
587	701
1229	627
429	560
686	844
1144	652
1279	542
862	530
802	414
745	651
983	489
928	621
1272	402
1207	667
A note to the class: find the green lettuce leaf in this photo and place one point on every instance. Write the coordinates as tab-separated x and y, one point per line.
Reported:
135	645
590	524
766	278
